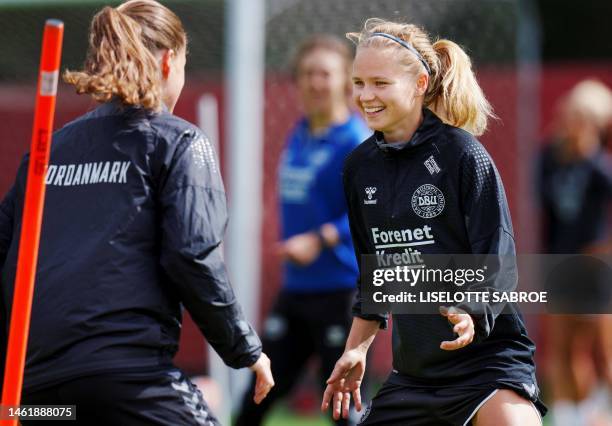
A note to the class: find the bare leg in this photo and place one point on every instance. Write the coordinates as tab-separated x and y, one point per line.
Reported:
573	373
605	344
507	408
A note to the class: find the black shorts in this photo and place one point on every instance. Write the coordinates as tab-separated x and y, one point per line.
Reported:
132	399
398	404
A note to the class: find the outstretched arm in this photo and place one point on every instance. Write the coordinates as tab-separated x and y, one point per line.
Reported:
489	230
345	379
193	220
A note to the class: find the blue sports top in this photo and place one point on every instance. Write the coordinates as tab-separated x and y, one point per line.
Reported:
311	194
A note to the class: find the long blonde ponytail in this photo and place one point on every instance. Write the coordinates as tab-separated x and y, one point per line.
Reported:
121	59
456	95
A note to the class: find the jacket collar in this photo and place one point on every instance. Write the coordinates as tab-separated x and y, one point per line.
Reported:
116	107
424	133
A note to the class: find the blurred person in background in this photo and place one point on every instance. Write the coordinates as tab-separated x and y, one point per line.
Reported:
575	173
311	315
575	189
466	366
135	213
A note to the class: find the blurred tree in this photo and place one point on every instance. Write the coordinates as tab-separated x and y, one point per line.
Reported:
22	24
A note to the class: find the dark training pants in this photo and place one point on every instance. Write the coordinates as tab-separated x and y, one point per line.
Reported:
300	325
165	398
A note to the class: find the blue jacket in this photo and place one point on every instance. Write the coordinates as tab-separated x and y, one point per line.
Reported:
311	194
134	216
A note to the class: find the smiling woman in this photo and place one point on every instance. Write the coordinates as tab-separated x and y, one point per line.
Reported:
438	76
434	181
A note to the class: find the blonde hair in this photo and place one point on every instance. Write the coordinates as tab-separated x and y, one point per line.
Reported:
453	91
592	100
121	59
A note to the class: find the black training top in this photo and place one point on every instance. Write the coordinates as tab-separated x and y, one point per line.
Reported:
575	197
135	213
467	213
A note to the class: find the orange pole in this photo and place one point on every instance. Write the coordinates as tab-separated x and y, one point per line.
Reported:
32	214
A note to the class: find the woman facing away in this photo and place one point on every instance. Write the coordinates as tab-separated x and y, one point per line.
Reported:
465	366
134	218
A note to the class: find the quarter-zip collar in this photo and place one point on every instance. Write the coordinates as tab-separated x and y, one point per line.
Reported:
424	133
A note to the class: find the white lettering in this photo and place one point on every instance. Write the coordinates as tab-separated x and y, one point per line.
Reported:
50	173
124	169
69	175
104	174
114	172
95	173
60	176
375	234
86	173
403	237
77	175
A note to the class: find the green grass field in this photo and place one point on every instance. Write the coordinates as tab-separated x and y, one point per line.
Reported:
284	417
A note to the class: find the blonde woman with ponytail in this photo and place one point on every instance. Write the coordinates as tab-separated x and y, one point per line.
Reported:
422	184
134	219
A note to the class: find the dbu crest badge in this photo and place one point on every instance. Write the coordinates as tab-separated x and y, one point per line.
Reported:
428	201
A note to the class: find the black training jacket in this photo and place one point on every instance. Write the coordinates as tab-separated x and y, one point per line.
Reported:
134	216
467	213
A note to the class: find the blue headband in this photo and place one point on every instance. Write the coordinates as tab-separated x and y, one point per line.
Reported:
407	46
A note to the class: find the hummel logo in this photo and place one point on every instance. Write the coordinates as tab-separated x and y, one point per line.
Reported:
370	191
530	388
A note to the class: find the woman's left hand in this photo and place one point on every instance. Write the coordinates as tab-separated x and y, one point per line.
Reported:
463	326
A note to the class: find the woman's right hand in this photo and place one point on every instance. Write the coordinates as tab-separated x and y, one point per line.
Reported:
345	380
264	380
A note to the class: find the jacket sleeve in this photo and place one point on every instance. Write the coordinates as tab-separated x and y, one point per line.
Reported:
6	224
193	220
6	232
360	245
489	230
